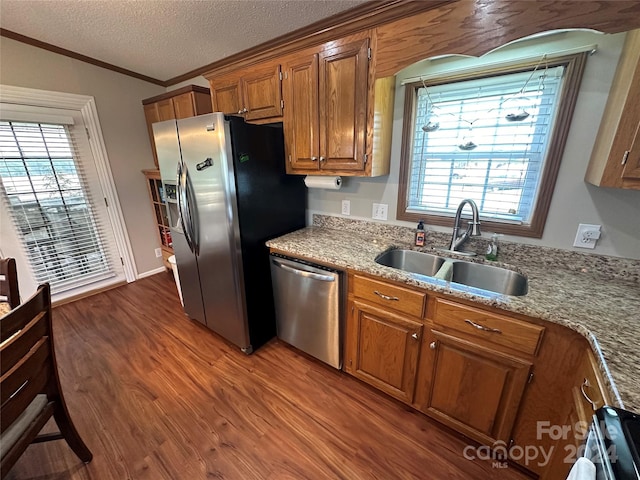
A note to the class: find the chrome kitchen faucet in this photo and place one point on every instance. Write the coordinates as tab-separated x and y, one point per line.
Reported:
473	230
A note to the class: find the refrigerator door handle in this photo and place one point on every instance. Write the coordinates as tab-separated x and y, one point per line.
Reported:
192	212
182	202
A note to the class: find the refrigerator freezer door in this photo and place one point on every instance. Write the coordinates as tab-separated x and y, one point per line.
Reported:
204	148
168	148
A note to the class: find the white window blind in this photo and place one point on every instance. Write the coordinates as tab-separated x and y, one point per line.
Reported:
49	201
484	139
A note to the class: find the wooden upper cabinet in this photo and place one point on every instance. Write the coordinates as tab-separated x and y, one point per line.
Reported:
343	90
262	93
254	93
225	95
337	121
151	116
301	128
185	102
165	109
615	160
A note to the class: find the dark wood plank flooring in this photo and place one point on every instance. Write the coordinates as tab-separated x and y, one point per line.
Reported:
157	396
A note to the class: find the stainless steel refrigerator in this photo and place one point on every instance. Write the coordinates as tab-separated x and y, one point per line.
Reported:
227	193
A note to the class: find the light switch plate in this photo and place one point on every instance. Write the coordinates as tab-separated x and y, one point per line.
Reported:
379	211
158	252
587	236
346	207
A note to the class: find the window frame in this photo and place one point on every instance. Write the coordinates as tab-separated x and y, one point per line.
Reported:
574	69
55	230
21	97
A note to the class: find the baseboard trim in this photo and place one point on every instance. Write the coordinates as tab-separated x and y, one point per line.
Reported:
151	272
82	295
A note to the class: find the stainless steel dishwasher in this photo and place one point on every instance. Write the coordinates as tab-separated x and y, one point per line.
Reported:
308	307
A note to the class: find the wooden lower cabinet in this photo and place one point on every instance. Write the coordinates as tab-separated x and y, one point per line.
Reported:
588	393
506	381
470	387
383	349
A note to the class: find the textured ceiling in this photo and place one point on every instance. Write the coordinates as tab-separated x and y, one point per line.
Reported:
162	38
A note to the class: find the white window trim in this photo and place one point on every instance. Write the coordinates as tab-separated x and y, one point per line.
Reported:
86	105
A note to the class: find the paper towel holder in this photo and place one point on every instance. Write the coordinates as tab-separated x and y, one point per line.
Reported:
325	182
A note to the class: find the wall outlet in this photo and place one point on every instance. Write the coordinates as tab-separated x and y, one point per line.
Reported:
379	211
587	236
158	252
346	207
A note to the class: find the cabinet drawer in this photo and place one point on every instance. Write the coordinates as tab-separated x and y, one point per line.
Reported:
391	296
490	327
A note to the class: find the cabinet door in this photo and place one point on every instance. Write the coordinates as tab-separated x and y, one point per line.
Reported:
151	116
300	92
261	93
343	82
632	167
183	106
165	110
474	389
225	95
383	350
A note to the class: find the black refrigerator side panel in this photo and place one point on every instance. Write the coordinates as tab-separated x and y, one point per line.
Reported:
270	203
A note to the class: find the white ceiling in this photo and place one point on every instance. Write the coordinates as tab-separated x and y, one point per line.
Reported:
162	38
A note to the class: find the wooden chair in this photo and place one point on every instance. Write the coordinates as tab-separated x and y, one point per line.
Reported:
30	386
9	295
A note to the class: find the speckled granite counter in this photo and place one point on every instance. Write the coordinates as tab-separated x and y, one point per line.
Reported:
599	297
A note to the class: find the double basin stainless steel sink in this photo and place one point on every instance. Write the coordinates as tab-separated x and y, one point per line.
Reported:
476	275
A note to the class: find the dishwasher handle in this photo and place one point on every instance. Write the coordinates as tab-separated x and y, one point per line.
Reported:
304	273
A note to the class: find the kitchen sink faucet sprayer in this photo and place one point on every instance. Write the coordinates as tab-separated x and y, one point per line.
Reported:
473	230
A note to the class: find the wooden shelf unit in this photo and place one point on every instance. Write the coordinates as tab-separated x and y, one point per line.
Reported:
156	194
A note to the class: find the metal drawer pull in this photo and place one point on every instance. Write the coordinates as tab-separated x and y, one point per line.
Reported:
414	336
386	297
482	327
586	383
433	345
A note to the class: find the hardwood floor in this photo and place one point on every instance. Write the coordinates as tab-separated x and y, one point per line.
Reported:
157	396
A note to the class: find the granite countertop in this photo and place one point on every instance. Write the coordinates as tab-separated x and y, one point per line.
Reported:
599	297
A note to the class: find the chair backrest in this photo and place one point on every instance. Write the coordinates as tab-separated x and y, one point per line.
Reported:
9	282
26	358
29	386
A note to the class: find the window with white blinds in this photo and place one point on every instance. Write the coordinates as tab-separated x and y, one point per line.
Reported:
486	138
49	201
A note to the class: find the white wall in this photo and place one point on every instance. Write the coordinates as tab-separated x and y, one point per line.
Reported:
574	201
118	99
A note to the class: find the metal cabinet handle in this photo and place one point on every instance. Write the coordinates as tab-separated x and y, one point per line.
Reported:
322	159
414	336
314	159
584	385
433	345
239	112
244	110
482	327
386	297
